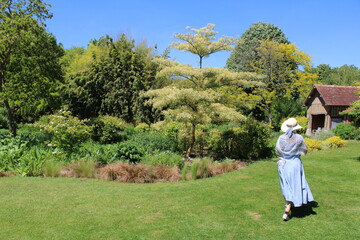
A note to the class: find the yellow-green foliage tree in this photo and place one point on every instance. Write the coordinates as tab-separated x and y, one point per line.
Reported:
191	99
202	42
279	63
191	106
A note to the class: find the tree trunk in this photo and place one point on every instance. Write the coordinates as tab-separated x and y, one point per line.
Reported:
268	112
11	119
192	142
201	58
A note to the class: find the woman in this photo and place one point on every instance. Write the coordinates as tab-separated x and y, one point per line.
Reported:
289	147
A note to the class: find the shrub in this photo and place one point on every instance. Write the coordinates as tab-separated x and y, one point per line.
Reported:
154	142
345	131
11	150
248	140
142	127
33	134
130	151
335	142
67	131
166	158
312	144
172	129
109	129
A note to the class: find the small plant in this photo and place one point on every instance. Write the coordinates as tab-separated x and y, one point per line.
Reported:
335	142
194	169
52	169
85	169
312	144
204	168
184	172
30	163
164	158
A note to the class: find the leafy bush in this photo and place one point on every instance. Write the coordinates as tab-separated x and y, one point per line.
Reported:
11	149
335	142
31	163
345	131
67	131
130	151
142	127
109	129
154	142
248	140
313	144
166	158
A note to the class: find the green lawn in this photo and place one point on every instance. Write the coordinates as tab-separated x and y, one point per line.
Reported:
246	204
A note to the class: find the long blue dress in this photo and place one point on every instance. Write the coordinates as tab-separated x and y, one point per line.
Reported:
289	147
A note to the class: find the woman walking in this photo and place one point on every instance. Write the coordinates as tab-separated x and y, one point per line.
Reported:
289	147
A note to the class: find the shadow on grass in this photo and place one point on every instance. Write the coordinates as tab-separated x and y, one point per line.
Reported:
304	210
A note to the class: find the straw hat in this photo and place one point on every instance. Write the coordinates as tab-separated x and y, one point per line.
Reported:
291	122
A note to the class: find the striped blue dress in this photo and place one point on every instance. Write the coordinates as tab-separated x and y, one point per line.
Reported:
294	187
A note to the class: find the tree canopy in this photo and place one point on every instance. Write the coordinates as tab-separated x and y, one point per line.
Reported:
111	80
29	59
245	51
202	42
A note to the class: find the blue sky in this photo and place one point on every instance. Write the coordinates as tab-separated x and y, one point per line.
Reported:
328	30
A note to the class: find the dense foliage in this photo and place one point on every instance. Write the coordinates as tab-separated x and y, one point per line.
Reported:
245	52
112	83
129	115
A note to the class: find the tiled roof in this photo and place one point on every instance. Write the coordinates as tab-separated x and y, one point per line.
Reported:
336	95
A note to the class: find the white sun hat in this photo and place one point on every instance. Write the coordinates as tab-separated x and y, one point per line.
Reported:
291	122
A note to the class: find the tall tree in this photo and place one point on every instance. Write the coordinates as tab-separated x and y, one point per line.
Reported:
245	52
29	58
202	42
112	82
192	100
280	63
